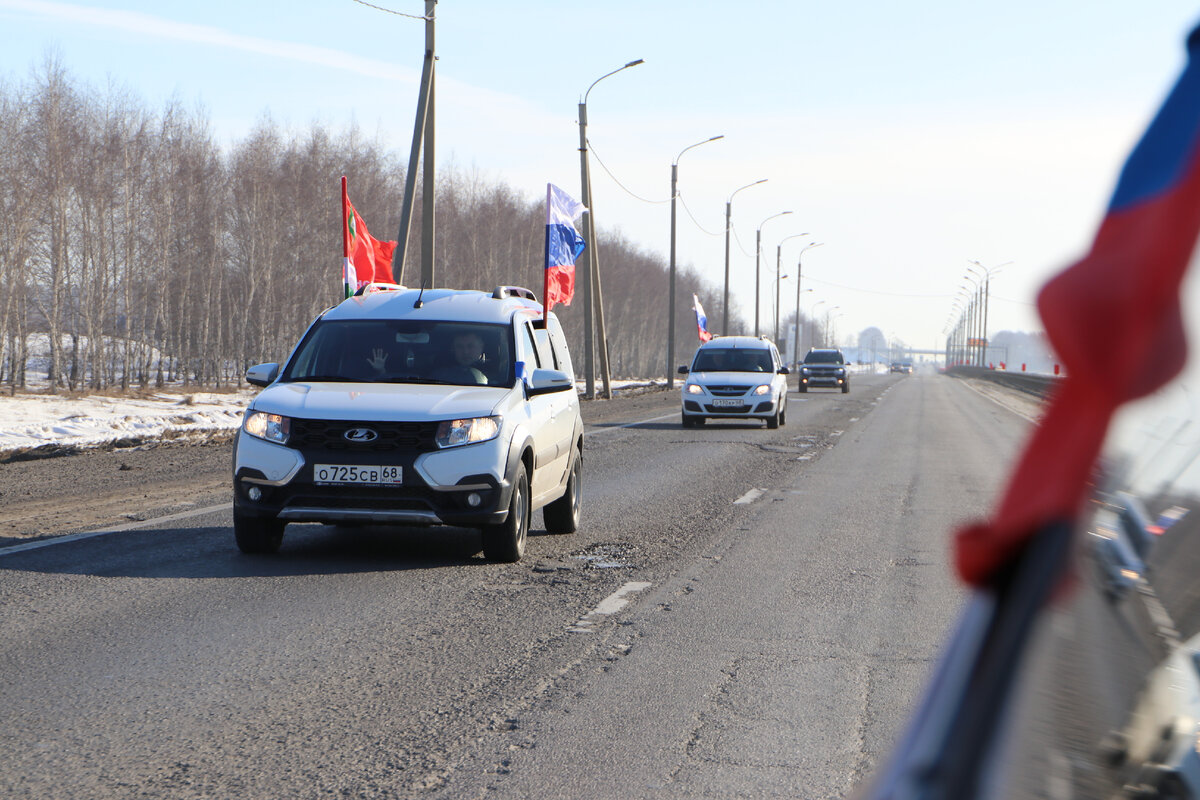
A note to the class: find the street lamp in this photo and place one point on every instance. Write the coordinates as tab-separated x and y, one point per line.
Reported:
778	267
986	274
825	332
813	323
799	276
976	290
728	226
757	268
591	261
671	289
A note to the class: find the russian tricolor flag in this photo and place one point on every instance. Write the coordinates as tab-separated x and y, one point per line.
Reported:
701	320
563	245
1118	305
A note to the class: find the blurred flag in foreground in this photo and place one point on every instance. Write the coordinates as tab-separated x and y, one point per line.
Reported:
365	258
1120	304
701	320
563	245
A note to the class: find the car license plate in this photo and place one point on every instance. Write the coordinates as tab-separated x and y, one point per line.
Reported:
727	401
326	474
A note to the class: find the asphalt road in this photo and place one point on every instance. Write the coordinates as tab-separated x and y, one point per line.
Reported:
744	613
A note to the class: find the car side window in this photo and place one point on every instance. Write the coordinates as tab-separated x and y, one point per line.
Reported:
544	351
558	342
528	348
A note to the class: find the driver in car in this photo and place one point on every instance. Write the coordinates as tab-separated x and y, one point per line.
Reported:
469	361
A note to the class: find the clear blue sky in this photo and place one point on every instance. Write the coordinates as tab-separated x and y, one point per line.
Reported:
908	138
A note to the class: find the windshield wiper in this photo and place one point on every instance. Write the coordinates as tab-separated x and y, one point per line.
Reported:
323	379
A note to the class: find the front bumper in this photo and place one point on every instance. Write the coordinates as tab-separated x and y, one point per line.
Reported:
465	486
750	410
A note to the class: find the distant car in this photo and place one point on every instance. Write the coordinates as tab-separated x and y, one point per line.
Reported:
901	366
407	407
735	377
824	368
1119	566
1156	753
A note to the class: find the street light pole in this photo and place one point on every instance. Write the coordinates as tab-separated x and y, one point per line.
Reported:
987	274
671	289
799	276
728	227
778	269
758	268
591	259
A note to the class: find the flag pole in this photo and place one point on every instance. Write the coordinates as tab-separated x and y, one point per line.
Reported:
349	290
546	261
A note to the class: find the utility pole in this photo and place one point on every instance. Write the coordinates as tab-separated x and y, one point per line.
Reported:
423	131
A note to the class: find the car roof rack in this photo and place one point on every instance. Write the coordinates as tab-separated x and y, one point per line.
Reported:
372	288
501	292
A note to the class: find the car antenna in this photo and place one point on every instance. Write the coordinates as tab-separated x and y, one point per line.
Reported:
420	294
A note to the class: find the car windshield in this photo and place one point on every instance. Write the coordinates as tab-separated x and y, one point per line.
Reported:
823	357
404	351
730	359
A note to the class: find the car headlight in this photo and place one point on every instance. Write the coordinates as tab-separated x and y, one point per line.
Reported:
272	427
694	388
805	371
766	387
841	372
455	432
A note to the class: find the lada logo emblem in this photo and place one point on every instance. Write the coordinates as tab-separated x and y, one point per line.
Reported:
360	435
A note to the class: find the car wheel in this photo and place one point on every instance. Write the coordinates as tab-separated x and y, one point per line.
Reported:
688	422
845	388
802	389
506	542
562	516
783	413
773	422
257	534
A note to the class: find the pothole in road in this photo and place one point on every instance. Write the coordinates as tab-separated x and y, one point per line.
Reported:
611	555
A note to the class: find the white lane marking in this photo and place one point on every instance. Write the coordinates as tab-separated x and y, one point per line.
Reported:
595	432
837	433
146	523
749	497
609	606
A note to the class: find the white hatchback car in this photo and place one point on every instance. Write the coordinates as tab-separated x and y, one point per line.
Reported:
402	407
735	377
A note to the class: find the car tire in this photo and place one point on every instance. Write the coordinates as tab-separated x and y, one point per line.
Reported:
688	422
506	542
782	411
562	515
773	421
845	388
802	389
257	535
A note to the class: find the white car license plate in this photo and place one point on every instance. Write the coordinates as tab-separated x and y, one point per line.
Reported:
727	401
325	474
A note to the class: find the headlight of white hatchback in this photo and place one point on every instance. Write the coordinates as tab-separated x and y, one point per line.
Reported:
765	388
455	432
272	427
694	388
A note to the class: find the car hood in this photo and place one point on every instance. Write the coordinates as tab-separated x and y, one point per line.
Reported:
379	401
731	377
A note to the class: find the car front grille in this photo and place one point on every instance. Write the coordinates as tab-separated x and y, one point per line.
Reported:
728	391
330	435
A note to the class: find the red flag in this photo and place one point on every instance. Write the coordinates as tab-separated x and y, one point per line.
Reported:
1118	305
368	260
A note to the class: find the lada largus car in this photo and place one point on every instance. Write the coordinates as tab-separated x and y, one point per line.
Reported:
735	377
407	407
824	367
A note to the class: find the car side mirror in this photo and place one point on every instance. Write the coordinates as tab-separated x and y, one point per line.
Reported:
546	381
262	374
784	371
683	370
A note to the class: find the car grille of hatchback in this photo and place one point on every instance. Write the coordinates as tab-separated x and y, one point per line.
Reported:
330	435
728	391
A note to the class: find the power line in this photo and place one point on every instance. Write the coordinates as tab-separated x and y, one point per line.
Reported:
624	188
389	11
695	221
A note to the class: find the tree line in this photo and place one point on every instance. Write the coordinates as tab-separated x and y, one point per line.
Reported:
147	253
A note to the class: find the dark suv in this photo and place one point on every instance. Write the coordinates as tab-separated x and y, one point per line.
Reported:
824	368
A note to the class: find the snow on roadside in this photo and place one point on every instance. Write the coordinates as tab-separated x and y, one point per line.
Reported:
34	423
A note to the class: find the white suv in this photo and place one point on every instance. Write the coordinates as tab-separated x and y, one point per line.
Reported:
735	377
415	408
